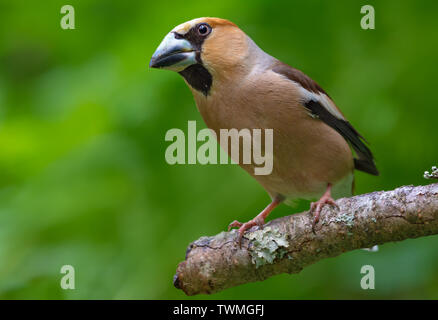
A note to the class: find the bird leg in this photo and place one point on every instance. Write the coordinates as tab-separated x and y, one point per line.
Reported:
258	220
317	206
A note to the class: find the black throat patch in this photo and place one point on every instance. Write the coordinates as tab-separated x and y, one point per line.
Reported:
198	77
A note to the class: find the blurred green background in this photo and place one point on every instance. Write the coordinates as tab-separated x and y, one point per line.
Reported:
83	179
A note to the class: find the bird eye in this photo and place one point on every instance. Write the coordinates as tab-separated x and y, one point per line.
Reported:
204	29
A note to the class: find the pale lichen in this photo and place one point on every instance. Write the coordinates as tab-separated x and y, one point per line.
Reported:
266	245
431	175
374	248
347	218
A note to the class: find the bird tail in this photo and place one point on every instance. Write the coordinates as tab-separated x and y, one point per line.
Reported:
366	165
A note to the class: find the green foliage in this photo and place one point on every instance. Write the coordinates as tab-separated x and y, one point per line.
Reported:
83	180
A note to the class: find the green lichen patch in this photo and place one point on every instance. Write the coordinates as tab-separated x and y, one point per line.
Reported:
347	218
266	245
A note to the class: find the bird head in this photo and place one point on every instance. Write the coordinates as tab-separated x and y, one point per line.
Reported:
201	50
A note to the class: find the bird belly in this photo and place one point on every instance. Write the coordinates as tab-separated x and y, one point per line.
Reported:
308	155
306	183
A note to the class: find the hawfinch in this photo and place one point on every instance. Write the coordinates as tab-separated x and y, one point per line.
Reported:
237	85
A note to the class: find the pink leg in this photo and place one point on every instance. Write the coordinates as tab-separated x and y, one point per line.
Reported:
317	206
259	220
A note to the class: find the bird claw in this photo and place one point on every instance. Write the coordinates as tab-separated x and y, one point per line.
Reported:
317	206
243	227
259	220
234	224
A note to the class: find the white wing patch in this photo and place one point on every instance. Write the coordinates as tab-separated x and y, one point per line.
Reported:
322	99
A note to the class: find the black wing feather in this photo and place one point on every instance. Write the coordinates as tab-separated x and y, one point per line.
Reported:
366	160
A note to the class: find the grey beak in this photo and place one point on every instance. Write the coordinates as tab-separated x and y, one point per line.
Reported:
173	54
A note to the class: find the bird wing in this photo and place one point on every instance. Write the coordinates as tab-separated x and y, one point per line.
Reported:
319	104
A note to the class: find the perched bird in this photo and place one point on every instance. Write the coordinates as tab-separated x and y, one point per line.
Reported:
237	85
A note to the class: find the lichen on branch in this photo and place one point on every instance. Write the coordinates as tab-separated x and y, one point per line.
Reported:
431	175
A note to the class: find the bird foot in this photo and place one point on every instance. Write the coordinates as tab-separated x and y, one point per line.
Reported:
259	220
243	227
317	206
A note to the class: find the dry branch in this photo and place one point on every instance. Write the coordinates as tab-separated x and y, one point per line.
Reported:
287	244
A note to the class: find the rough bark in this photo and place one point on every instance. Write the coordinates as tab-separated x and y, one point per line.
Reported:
287	244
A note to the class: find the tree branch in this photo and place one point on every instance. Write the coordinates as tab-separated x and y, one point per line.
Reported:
287	244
